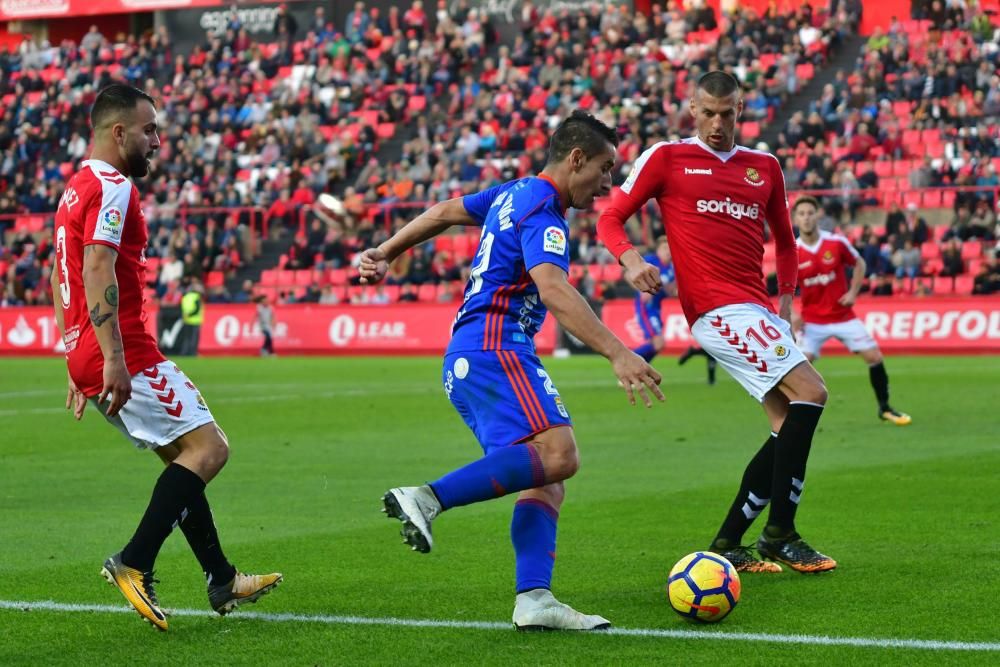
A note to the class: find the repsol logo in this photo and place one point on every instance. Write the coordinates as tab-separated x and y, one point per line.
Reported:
735	210
822	279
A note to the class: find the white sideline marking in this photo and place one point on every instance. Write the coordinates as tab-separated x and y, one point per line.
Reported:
815	640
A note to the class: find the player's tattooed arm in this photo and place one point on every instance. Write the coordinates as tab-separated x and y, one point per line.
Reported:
97	318
111	295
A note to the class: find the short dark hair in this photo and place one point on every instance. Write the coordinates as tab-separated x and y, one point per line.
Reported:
806	199
719	84
114	101
580	130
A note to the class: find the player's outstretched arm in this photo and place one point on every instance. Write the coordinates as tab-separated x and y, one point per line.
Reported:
576	316
375	261
785	250
101	287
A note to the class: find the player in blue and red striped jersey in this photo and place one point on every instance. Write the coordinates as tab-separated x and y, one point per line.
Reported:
491	373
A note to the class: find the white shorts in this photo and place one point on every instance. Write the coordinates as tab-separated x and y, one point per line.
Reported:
753	344
164	406
851	333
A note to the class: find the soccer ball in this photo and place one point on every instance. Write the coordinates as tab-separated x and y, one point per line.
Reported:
703	587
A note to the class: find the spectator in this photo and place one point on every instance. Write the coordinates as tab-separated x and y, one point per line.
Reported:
906	260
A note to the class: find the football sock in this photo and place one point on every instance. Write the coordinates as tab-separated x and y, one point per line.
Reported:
880	383
791	451
752	498
199	529
504	470
175	491
647	351
533	533
712	363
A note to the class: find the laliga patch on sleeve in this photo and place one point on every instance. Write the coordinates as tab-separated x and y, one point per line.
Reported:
110	222
555	241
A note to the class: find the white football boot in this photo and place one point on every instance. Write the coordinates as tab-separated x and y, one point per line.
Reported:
416	507
540	610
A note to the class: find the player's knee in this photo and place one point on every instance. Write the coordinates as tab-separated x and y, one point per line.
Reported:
817	393
216	454
559	454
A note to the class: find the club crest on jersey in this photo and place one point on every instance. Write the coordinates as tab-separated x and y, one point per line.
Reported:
111	220
753	177
828	257
554	241
781	352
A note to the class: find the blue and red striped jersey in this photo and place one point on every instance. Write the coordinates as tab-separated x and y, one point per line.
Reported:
523	226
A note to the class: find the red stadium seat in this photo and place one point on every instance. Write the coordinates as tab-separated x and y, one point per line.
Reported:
337	277
932	267
974	265
427	292
214	279
932	198
883	168
963	284
417	103
930	250
385	130
391	291
972	250
805	71
749	130
948	199
902	168
269	277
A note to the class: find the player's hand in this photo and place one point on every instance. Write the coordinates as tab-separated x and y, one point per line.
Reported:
373	266
636	376
848	299
639	273
117	385
75	399
785	308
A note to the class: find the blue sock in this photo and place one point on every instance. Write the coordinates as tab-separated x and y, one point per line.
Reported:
504	470
533	532
646	351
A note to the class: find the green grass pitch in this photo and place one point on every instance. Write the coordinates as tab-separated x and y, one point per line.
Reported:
912	514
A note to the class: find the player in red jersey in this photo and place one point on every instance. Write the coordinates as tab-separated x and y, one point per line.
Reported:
827	301
114	363
715	196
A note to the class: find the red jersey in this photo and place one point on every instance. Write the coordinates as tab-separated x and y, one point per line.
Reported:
714	206
100	206
822	278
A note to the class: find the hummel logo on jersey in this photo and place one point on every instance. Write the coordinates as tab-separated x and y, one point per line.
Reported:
702	172
806	264
735	210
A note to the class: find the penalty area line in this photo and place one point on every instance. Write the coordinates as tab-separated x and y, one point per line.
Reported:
810	640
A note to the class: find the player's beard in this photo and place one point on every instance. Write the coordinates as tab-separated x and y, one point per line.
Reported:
138	165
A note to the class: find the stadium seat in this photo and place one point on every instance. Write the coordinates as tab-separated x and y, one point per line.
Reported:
972	250
963	284
749	130
901	168
337	277
391	291
596	272
416	104
214	279
948	199
427	292
445	243
973	265
930	250
269	277
931	267
303	278
385	130
883	168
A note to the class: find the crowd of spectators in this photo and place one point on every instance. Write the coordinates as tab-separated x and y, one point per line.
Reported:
269	126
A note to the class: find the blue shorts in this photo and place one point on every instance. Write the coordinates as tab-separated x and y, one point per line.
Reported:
504	397
649	321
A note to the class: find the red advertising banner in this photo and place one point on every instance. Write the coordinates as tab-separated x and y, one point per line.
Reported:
13	10
310	329
908	325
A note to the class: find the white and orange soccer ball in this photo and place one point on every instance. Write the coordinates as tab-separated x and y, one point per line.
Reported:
703	587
